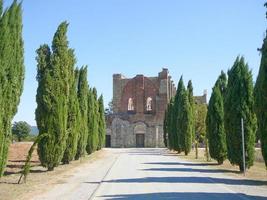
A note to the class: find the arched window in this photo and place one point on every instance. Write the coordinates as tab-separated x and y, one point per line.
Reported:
149	104
130	104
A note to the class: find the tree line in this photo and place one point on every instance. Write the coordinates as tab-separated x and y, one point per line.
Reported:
233	97
68	110
69	114
11	72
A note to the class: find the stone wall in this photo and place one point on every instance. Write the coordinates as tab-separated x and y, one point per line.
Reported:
124	125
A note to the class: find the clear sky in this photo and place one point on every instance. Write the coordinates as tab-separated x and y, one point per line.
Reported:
193	38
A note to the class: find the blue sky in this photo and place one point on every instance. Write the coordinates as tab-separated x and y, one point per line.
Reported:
196	39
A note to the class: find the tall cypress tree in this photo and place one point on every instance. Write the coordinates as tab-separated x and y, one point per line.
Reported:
11	73
101	123
52	97
260	92
215	121
177	132
239	103
184	121
89	145
1	7
95	136
192	106
73	119
170	124
165	129
83	103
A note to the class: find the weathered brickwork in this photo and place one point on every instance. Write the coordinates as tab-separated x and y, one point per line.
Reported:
139	104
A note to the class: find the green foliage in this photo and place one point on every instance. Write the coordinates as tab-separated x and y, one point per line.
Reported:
21	130
102	123
95	136
184	121
215	121
11	72
200	122
90	146
53	76
176	114
170	125
192	108
74	116
83	103
239	103
178	122
165	128
260	92
1	7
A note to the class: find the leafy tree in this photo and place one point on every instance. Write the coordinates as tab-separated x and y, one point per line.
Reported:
260	92
215	121
200	125
11	72
52	97
83	103
102	123
21	130
239	103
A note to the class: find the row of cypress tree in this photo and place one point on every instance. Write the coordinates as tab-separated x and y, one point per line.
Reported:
11	72
232	100
67	109
179	128
235	99
260	93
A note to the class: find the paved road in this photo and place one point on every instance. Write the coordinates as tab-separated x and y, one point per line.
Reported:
153	174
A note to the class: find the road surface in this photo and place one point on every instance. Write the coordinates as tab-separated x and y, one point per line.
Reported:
152	174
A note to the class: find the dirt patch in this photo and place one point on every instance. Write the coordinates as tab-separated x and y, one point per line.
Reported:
39	180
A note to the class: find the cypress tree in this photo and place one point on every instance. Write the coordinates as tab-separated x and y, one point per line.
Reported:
215	121
239	103
176	117
165	129
260	92
170	124
83	104
1	7
73	120
101	124
11	73
184	121
52	97
192	107
90	146
95	136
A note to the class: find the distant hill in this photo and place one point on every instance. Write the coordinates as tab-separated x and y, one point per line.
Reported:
34	130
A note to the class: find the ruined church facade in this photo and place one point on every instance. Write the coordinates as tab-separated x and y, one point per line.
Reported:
139	105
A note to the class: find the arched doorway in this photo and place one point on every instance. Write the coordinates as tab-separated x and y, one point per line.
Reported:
139	131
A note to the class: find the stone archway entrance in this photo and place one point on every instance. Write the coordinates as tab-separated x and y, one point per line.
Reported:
139	131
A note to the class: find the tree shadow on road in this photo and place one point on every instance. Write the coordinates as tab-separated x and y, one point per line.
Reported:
192	170
190	179
180	163
184	195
